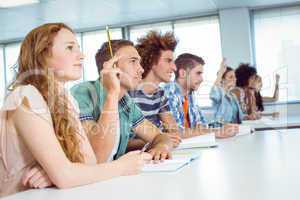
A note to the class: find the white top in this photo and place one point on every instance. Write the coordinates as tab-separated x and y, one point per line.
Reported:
260	166
15	156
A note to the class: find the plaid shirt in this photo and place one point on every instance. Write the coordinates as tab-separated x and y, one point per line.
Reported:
173	93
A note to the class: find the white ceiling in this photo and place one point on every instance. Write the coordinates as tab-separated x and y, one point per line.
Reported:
221	4
83	14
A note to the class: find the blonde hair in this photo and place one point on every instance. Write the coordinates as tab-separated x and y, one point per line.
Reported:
36	48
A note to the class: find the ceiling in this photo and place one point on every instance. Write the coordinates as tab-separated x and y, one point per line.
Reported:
85	14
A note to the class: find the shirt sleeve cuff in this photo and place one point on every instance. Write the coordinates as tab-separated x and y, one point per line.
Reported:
138	121
84	117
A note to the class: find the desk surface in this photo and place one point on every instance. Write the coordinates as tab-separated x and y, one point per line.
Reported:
269	123
260	166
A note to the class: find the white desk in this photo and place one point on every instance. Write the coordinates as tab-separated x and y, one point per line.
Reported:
269	123
264	166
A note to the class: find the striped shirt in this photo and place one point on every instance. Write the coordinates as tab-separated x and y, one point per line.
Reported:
151	104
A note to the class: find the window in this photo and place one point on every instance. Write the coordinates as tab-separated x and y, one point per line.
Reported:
12	53
11	56
277	47
2	78
138	31
78	38
92	41
201	37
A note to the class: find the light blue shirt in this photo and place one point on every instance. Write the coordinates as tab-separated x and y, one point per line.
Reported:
225	105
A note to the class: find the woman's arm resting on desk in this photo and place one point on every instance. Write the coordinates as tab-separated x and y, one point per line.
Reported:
36	177
44	146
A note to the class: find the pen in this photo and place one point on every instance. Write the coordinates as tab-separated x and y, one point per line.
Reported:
110	46
109	42
145	147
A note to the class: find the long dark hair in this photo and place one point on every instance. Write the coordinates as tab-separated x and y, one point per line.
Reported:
259	102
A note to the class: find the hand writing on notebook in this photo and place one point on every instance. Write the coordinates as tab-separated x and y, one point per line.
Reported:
133	165
175	138
36	177
160	152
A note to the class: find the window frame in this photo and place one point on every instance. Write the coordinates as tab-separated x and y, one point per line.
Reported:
253	11
125	30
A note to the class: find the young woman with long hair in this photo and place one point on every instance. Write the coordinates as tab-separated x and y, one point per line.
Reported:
39	119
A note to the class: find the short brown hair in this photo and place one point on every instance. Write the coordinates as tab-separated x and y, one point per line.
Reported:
151	45
103	53
187	61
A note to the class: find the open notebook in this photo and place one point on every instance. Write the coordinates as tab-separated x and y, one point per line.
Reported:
207	140
179	160
245	130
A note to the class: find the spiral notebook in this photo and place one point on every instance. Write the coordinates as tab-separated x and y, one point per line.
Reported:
207	140
179	160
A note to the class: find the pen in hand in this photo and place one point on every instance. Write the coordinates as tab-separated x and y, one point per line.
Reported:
145	147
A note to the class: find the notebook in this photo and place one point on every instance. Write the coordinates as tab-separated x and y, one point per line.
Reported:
207	140
179	160
245	130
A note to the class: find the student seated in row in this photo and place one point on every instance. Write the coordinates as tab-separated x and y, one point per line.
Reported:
156	51
225	105
245	91
105	106
181	96
41	139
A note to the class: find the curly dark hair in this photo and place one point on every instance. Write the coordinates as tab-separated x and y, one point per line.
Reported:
243	74
103	54
150	46
187	61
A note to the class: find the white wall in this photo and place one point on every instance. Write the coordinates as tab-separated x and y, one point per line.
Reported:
236	36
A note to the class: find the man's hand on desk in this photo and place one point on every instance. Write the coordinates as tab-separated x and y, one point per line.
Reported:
175	138
160	152
228	130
